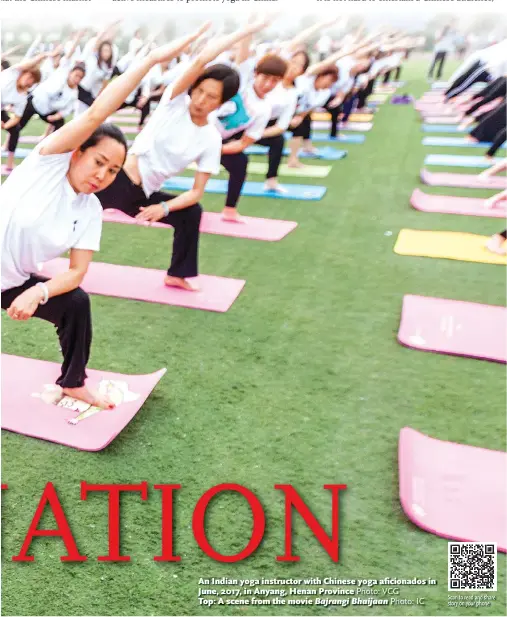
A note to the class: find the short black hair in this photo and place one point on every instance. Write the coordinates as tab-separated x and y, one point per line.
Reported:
5	64
105	130
220	72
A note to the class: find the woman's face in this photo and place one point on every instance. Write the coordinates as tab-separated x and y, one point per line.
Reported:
205	98
263	84
25	81
323	82
75	78
96	168
106	52
296	66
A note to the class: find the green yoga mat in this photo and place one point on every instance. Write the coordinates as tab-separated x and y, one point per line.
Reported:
310	171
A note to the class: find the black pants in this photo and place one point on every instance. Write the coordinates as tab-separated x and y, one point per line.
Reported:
489	127
30	111
335	114
276	145
85	96
304	130
492	91
134	102
70	313
128	197
362	95
499	140
145	110
474	74
236	165
438	58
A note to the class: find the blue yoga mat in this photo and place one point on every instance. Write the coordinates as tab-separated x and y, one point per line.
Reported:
444	128
457	142
341	139
21	153
456	160
305	192
326	154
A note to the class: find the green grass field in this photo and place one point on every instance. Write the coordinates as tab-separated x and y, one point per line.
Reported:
301	382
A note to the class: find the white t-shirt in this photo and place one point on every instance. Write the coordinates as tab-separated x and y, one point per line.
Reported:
345	82
283	105
245	111
42	217
9	92
55	95
308	97
324	44
170	142
445	44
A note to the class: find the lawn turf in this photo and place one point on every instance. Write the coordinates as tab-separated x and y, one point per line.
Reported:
301	382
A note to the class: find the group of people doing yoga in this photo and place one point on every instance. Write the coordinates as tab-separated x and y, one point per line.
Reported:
487	110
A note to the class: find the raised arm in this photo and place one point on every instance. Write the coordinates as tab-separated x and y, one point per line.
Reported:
208	54
75	42
303	36
32	50
314	69
75	133
10	51
30	63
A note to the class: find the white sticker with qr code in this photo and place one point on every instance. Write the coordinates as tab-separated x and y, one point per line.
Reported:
472	566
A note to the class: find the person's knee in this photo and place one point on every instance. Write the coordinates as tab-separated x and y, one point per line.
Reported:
79	302
194	214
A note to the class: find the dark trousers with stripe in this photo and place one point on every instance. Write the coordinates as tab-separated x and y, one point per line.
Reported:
70	313
128	197
492	91
476	73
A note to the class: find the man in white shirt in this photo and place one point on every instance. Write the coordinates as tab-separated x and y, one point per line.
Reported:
444	45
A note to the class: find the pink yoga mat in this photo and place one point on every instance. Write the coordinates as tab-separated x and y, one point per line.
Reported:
453	327
212	223
123	119
470	181
453	490
24	411
445	204
216	293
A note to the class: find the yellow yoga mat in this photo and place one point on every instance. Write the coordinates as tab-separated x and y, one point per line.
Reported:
324	116
447	245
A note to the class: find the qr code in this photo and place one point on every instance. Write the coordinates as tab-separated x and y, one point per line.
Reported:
472	566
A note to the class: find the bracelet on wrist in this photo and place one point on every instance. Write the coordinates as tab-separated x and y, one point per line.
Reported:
166	207
45	291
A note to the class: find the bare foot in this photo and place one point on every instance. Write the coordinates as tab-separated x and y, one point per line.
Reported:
175	281
470	139
310	150
295	164
496	244
89	396
231	214
272	185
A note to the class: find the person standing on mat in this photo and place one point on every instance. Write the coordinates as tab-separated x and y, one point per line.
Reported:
243	120
444	45
177	135
48	208
15	84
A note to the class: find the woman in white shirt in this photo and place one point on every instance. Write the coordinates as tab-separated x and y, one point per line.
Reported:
15	83
242	121
99	58
54	99
177	135
48	208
